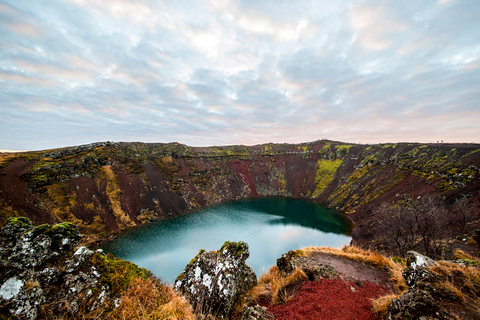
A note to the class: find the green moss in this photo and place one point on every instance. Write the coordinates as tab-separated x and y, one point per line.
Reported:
341	193
283	183
65	228
41	229
325	173
20	221
116	273
382	187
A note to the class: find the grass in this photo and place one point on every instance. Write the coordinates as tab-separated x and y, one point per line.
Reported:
452	285
272	285
380	305
118	274
113	193
149	299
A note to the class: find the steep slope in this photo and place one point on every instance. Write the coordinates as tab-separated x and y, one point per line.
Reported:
109	187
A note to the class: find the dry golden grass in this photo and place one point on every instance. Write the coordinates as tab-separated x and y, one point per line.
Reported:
31	284
456	285
149	299
459	254
380	305
113	193
272	285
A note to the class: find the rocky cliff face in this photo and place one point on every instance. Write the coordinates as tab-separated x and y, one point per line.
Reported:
109	187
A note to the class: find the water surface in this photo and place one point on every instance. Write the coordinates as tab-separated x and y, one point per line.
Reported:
270	226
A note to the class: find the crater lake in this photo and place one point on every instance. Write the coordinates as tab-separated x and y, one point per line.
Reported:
270	226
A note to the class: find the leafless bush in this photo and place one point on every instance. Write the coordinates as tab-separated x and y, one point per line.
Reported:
424	224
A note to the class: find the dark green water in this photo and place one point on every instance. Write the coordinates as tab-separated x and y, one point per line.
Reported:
270	226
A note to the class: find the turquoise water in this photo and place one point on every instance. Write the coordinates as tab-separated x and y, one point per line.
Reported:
270	226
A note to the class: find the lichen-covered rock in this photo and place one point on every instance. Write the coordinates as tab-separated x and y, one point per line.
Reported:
416	304
213	281
26	247
35	270
420	301
256	313
416	270
11	288
79	257
292	260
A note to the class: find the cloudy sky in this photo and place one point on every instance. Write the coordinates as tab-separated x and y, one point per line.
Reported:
224	72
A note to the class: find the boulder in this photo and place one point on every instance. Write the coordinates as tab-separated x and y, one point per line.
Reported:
416	270
213	281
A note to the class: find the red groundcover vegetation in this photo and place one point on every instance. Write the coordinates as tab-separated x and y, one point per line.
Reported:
330	299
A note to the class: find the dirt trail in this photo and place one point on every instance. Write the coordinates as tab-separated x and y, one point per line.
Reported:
350	269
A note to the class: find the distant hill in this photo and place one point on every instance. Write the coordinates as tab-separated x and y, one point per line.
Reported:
109	187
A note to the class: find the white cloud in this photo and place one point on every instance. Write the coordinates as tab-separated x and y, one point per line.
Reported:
231	72
372	26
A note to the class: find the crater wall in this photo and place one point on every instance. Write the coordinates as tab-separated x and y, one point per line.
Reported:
109	187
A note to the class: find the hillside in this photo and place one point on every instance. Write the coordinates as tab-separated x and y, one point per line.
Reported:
109	187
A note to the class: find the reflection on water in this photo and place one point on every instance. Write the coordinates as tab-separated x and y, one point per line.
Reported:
270	226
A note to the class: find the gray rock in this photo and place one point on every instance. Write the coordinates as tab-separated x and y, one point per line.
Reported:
256	313
416	270
415	304
49	275
11	288
79	258
213	281
26	304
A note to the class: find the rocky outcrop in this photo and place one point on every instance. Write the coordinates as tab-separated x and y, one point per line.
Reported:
417	304
213	281
417	268
421	301
292	260
38	272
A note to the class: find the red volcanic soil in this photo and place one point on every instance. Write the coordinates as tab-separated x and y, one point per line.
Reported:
330	299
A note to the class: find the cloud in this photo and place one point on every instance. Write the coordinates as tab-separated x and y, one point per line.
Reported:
237	72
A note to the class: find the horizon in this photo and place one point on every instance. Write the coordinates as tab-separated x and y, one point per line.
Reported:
217	73
440	142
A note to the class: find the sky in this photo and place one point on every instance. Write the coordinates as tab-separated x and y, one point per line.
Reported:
227	72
